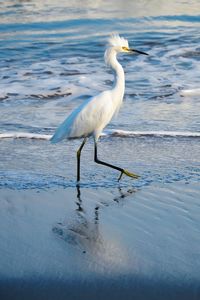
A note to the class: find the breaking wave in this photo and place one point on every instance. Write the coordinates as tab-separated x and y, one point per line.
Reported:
190	92
107	133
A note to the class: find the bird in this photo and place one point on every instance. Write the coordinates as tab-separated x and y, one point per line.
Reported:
92	116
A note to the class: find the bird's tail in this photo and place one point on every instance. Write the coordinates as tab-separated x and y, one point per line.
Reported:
64	130
61	132
55	139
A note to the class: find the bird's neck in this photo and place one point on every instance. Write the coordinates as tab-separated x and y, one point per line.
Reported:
119	81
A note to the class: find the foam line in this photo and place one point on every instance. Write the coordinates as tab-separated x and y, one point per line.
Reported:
191	92
123	133
106	133
26	135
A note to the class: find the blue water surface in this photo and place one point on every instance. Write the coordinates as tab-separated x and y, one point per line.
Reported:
51	55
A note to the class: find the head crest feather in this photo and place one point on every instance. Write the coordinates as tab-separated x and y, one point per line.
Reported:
116	41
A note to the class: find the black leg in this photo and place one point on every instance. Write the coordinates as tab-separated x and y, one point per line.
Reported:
79	158
123	171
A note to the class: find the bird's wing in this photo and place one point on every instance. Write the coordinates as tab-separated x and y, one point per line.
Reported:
92	115
63	130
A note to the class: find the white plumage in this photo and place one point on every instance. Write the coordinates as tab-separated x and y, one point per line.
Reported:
91	117
94	114
117	41
88	119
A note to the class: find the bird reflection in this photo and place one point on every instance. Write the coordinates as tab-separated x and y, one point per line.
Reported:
79	201
82	227
123	194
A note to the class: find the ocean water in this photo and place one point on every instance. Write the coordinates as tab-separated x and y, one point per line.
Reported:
51	59
138	239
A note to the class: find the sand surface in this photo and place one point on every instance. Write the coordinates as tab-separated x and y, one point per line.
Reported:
101	243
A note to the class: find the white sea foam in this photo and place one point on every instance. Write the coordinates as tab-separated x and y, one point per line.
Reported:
26	135
47	79
106	133
160	133
190	92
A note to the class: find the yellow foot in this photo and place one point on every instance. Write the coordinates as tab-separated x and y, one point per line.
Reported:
133	175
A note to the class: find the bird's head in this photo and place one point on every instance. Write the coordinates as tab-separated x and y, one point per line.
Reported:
119	44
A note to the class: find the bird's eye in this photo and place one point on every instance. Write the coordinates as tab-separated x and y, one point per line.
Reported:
125	49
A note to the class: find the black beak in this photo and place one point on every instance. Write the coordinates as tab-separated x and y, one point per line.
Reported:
137	51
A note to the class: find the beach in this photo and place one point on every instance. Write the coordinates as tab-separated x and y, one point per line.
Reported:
133	243
103	239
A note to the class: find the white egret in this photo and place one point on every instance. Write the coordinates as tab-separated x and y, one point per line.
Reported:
90	118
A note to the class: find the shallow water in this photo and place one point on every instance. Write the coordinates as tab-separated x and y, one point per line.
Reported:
51	59
101	243
140	235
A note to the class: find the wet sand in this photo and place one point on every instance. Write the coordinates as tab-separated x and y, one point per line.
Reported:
101	243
